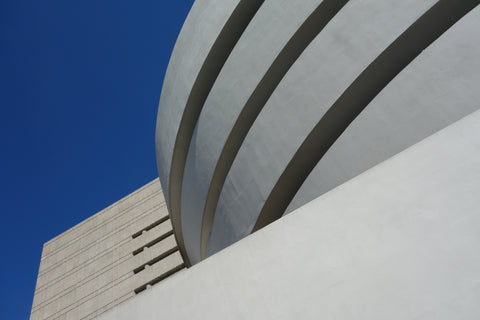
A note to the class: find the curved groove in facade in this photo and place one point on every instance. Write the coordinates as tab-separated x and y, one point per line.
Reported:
429	27
218	54
312	26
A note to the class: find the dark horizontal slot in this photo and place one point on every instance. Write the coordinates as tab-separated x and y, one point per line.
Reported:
155	260
153	242
153	225
160	278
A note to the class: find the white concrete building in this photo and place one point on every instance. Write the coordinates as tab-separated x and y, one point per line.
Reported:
357	117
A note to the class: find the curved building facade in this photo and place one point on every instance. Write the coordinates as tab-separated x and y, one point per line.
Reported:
266	105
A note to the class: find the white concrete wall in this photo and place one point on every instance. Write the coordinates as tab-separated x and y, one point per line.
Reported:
203	24
348	44
226	163
438	87
399	241
205	42
260	44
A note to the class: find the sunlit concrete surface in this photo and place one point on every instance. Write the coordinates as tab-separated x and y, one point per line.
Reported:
399	241
229	129
261	42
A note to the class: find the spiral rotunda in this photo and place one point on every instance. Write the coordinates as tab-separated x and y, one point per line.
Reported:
268	104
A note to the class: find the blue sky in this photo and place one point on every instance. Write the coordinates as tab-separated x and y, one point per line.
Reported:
79	87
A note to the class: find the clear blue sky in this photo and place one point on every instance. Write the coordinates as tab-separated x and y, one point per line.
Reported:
79	87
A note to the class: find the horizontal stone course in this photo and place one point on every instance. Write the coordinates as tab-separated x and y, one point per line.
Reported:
101	262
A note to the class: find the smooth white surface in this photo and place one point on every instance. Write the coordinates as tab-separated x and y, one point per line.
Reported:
348	44
400	241
439	87
266	35
199	32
